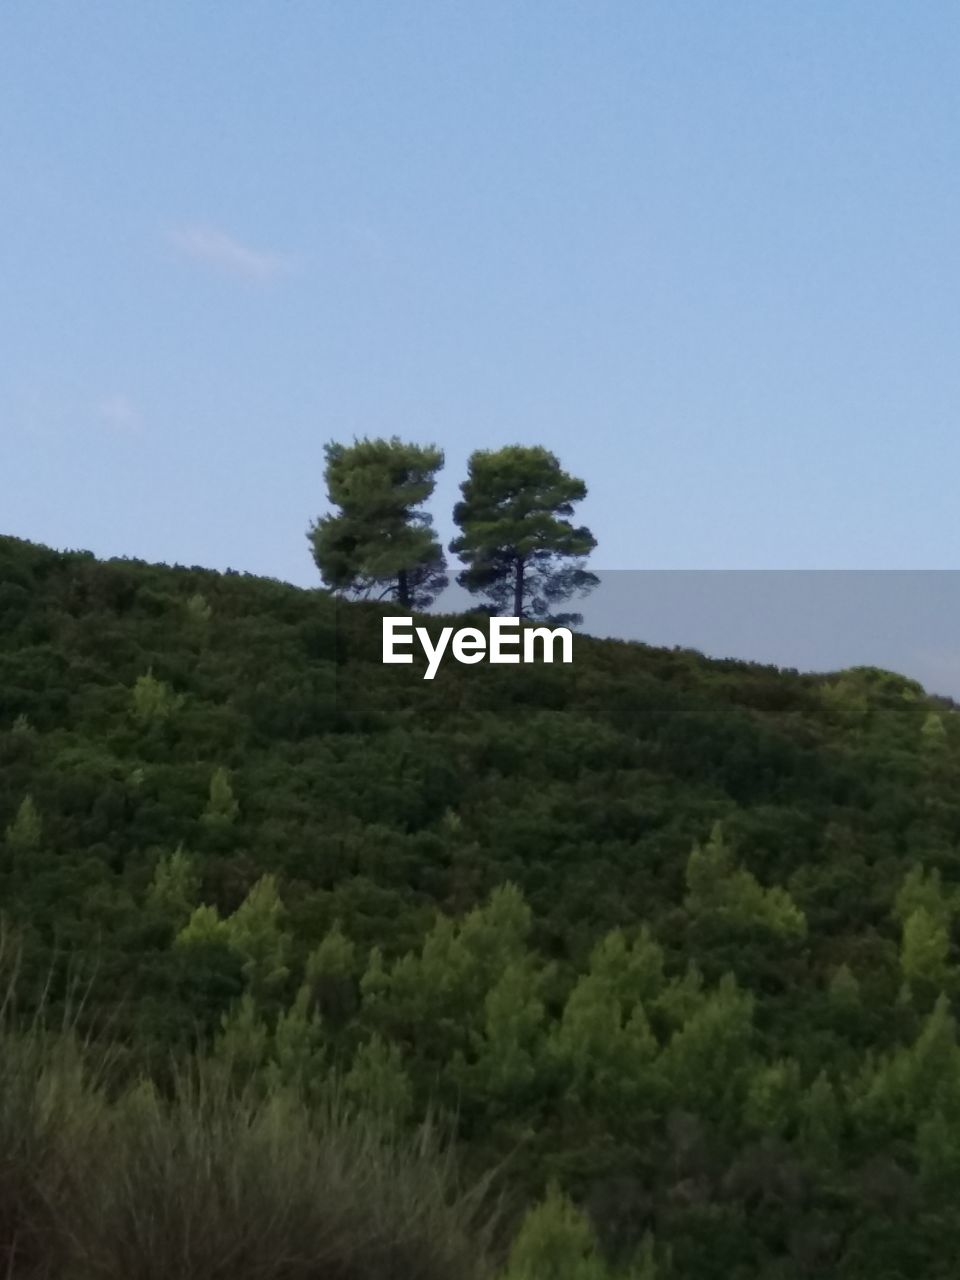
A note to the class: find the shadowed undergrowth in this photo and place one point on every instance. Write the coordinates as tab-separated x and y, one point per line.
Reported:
213	1179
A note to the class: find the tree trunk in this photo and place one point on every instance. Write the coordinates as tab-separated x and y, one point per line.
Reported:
518	590
403	589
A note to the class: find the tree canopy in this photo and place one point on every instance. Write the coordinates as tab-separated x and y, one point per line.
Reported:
521	548
380	541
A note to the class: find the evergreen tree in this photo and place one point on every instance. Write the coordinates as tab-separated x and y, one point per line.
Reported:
707	1061
153	701
24	833
934	733
222	807
175	887
379	542
513	1032
719	888
254	931
330	975
378	1083
299	1055
555	1242
243	1039
820	1121
925	949
521	549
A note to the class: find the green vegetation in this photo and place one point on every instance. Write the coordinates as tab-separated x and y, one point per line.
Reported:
105	1175
519	545
379	541
672	943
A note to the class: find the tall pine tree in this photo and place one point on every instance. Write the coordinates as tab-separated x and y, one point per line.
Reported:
379	542
521	548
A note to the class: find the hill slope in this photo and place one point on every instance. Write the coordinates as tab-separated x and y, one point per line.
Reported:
713	997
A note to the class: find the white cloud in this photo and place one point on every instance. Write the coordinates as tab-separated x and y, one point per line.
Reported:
120	413
217	249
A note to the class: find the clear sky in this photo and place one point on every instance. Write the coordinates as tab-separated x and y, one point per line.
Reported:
707	252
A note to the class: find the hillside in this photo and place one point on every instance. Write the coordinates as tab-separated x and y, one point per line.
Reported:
696	957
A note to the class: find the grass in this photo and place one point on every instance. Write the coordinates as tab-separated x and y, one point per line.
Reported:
211	1180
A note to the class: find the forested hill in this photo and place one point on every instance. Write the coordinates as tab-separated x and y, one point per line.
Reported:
695	955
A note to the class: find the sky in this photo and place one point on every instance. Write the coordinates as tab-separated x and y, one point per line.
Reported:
707	253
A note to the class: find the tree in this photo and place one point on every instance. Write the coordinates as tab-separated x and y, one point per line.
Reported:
379	542
175	887
222	807
521	549
925	949
378	1083
556	1242
153	701
24	833
255	932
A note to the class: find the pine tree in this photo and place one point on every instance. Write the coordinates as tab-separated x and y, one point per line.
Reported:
222	807
520	546
844	991
254	931
820	1121
718	888
706	1063
24	834
513	1032
330	974
153	701
198	610
378	1083
203	928
934	733
772	1099
555	1242
299	1054
379	541
922	889
924	950
175	886
243	1039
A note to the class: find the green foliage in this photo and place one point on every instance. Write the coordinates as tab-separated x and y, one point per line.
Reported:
913	1083
718	888
380	540
198	609
26	831
203	928
844	990
153	701
707	1061
477	898
923	891
175	887
773	1098
299	1048
555	1242
521	549
820	1123
925	949
255	932
934	733
222	806
845	701
378	1082
244	1038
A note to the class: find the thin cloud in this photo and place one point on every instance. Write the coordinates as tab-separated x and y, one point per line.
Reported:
120	413
217	249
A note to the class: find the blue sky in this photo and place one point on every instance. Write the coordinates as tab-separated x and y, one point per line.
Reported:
708	253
